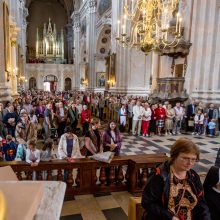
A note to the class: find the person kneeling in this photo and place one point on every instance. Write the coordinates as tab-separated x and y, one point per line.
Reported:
68	147
32	156
93	142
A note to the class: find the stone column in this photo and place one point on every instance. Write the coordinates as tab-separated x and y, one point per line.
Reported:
14	57
123	58
76	51
14	67
154	70
69	37
91	42
203	73
5	91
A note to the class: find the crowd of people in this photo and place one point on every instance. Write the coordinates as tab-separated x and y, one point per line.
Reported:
73	119
66	115
62	117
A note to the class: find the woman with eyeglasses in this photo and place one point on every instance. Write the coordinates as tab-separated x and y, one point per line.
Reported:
175	191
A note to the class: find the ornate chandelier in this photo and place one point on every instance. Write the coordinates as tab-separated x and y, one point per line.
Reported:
150	25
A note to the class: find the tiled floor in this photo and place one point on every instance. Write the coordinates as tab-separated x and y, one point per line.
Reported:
89	207
133	145
114	206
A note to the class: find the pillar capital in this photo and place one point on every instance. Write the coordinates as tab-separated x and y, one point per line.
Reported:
13	43
92	6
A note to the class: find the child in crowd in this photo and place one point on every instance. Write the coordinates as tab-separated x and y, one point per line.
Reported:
9	148
211	126
205	123
47	153
32	156
199	119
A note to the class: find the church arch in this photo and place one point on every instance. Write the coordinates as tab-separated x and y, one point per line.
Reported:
50	83
68	84
32	83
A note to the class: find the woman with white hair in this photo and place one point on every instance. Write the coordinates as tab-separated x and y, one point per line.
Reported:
85	119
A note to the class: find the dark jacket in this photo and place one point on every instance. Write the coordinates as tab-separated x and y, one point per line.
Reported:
106	139
212	197
156	195
213	201
10	151
73	115
189	111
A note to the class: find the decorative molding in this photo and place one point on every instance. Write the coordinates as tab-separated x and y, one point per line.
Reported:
92	6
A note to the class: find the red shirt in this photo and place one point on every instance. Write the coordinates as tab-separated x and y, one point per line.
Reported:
86	114
160	113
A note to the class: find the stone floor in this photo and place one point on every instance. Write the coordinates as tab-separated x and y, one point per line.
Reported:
208	146
114	206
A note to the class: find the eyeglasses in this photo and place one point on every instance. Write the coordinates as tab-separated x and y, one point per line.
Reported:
187	159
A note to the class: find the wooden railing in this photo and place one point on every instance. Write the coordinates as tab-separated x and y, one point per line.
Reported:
85	176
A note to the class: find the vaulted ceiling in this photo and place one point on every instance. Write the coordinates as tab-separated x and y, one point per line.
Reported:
67	4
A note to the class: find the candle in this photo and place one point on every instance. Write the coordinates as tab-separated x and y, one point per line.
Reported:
118	31
132	6
180	20
125	20
177	21
126	3
165	13
135	35
123	29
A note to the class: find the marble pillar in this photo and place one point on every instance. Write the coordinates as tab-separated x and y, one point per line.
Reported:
91	42
154	70
69	28
5	93
202	76
76	51
14	67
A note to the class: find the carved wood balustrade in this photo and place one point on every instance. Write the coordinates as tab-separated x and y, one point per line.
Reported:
85	176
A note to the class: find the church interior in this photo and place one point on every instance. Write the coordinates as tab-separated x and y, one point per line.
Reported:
105	54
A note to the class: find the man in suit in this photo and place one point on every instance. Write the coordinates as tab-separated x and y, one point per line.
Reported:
190	113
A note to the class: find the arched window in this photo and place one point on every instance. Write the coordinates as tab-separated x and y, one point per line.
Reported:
68	84
32	83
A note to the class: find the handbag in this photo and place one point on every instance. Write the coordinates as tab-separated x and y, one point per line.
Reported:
191	123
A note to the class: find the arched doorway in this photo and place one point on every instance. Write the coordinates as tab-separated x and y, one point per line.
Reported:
68	84
50	83
32	83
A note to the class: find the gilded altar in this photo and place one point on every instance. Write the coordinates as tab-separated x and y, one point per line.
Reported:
50	44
